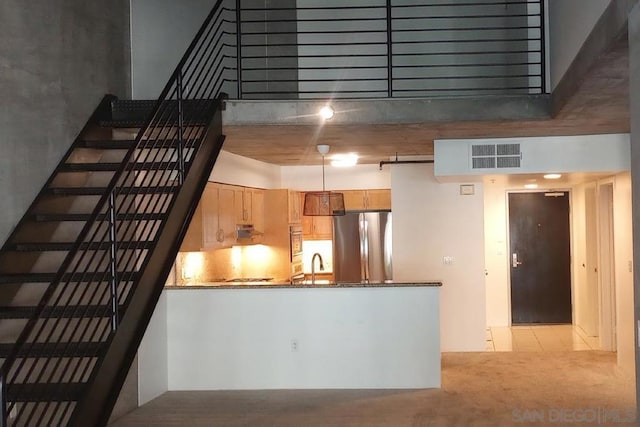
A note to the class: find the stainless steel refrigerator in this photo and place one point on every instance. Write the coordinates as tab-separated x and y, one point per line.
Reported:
362	247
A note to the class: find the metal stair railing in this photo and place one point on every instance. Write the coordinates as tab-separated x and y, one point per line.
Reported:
97	278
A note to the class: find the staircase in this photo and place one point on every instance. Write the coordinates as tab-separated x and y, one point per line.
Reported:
81	273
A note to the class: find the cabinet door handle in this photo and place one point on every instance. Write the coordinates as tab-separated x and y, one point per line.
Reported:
220	235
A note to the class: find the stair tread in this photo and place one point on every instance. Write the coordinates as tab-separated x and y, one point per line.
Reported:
108	166
67	246
37	392
97	191
70	311
48	277
45	217
62	349
124	144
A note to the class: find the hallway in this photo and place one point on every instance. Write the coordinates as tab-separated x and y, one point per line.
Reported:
540	338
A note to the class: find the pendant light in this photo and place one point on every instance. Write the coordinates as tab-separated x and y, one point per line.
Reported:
323	203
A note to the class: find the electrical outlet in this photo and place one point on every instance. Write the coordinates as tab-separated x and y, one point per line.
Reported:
448	260
294	344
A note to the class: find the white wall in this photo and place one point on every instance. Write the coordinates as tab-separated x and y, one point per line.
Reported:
309	178
153	378
430	221
238	170
346	338
496	247
578	256
570	22
623	253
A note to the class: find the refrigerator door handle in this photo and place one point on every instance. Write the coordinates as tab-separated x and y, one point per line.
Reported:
364	248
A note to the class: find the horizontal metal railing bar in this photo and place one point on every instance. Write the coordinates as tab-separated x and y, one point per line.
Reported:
382	43
503	76
486	52
395	66
378	19
468	89
339	8
395	43
366	55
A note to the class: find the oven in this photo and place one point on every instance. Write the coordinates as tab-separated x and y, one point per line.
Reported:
295	248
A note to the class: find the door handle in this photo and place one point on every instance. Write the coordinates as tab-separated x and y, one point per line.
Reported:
514	260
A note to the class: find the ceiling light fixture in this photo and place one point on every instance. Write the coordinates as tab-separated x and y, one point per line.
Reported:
323	203
531	186
552	176
344	160
326	112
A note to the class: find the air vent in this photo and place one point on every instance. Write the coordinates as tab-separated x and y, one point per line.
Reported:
483	150
508	162
508	149
483	163
495	156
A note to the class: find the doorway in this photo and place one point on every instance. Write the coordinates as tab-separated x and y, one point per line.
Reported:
540	258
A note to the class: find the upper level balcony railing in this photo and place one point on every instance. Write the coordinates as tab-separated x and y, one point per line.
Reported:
354	49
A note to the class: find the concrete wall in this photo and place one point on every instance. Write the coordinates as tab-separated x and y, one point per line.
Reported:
57	60
430	221
570	22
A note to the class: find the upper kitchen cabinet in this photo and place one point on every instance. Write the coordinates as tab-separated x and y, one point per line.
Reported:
317	227
213	223
295	205
358	200
249	207
218	216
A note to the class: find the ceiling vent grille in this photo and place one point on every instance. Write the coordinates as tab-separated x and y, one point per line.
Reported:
495	156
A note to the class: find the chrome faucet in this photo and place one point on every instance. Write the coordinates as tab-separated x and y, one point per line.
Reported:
313	267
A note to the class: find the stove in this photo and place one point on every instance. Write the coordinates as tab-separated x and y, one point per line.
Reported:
251	279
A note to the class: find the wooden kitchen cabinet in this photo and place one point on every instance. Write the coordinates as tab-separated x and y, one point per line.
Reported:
317	227
367	199
249	207
295	206
213	223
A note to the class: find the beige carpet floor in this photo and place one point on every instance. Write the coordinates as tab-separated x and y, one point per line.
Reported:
478	389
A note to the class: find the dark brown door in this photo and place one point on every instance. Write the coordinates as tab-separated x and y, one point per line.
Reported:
540	256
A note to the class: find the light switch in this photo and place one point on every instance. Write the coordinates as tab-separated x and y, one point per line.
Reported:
448	260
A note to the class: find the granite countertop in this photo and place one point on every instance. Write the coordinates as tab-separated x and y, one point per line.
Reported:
325	284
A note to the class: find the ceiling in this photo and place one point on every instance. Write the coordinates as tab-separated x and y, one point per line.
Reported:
600	106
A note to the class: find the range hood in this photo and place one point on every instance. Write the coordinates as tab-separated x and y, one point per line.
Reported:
246	234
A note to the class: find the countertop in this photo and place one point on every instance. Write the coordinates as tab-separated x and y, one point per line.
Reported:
324	284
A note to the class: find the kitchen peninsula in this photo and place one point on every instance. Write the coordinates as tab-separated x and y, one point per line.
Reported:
282	336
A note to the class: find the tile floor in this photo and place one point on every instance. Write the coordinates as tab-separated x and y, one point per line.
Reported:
539	338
